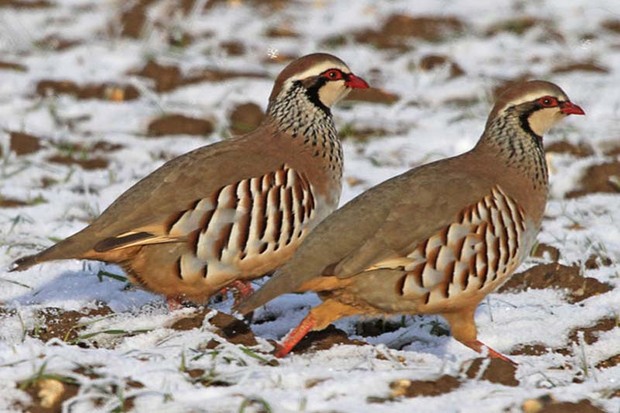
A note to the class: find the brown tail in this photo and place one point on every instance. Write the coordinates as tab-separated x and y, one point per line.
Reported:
270	290
72	247
24	263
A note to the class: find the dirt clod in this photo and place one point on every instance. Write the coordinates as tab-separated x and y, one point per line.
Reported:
547	404
497	371
23	143
580	67
64	325
88	163
324	340
530	350
49	395
373	95
610	362
582	406
133	19
111	92
166	77
613	25
26	4
399	30
12	66
376	327
597	261
170	77
8	202
424	388
233	47
228	327
591	333
546	251
432	62
542	276
245	118
599	178
580	150
177	124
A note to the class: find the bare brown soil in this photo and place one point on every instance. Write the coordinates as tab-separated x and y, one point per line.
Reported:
65	325
546	251
580	67
399	30
26	4
599	178
373	95
424	388
245	117
569	279
18	67
324	340
23	143
90	163
497	371
169	77
432	62
518	25
581	150
228	327
111	92
177	124
6	202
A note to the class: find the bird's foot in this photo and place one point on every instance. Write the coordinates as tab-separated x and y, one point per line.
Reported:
295	336
481	347
174	303
240	290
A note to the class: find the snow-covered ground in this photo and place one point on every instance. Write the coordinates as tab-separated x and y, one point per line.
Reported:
129	354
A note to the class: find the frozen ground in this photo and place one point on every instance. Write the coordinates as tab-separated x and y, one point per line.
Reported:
71	330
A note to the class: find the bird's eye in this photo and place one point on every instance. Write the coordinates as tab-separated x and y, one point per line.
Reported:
333	74
548	101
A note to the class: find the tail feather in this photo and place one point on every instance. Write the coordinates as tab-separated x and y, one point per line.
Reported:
73	247
270	290
24	263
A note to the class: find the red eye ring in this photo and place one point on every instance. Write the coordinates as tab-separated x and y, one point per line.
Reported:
333	74
548	102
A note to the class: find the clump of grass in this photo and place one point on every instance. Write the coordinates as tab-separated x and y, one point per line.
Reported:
257	403
43	374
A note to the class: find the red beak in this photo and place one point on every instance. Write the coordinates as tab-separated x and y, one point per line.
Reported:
355	82
569	108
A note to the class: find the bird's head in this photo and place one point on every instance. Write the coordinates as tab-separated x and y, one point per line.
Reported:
324	78
538	104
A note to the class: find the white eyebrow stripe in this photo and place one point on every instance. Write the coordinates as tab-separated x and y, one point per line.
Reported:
318	69
530	97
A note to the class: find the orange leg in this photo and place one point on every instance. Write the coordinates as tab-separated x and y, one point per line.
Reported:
240	289
174	303
318	319
463	329
295	336
479	346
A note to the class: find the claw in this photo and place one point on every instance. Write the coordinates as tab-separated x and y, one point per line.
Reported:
173	303
479	346
295	336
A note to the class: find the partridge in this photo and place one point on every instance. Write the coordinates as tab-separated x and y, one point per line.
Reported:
438	238
234	210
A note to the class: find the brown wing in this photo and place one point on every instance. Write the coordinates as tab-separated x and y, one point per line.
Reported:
141	215
183	181
379	227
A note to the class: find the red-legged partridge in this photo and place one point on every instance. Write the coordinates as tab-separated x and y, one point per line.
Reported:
438	238
234	210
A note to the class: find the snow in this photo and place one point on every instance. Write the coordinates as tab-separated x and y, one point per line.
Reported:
422	126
